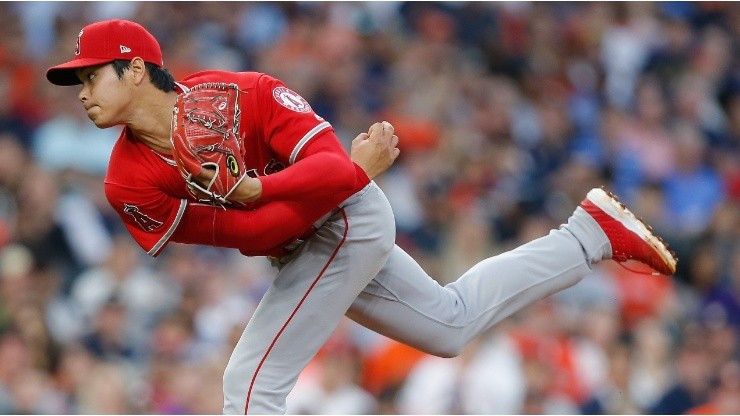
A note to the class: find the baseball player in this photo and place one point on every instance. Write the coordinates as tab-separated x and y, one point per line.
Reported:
329	228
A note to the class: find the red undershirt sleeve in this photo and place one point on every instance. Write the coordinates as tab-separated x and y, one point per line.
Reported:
324	169
260	230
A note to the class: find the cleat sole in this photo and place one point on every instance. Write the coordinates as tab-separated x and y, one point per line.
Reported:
610	204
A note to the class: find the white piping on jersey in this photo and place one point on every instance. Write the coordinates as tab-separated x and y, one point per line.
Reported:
170	162
162	241
182	87
310	135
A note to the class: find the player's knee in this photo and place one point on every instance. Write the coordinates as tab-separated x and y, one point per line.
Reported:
449	347
450	351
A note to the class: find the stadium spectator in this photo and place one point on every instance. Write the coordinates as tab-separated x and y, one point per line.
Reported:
507	112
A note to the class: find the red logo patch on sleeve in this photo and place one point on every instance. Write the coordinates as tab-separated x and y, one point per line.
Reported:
291	100
146	222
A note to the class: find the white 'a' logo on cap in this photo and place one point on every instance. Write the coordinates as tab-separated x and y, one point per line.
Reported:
77	48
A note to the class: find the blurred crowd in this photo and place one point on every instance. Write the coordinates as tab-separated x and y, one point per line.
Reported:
508	113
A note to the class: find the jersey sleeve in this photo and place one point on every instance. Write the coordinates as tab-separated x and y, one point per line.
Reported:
150	216
260	231
287	120
324	170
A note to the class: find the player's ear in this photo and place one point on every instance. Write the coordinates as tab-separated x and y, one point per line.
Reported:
138	70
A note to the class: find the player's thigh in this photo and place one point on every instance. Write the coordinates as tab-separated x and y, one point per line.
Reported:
317	287
402	295
306	301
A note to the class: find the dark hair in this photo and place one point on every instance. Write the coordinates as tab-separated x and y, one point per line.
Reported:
160	77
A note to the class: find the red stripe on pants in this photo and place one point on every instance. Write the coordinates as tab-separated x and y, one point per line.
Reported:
285	325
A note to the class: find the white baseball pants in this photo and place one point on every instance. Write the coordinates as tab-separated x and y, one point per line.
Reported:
351	266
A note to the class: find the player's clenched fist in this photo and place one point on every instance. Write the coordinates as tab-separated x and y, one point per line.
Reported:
376	150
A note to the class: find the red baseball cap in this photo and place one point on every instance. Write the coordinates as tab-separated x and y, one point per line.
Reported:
104	42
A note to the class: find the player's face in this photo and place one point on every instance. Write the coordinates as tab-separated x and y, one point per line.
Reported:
104	96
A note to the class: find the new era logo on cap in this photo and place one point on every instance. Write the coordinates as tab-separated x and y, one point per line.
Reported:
104	42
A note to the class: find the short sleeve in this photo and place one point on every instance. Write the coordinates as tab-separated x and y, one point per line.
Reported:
149	215
288	121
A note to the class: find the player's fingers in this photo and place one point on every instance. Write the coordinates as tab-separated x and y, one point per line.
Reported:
375	128
378	135
360	137
394	153
394	141
388	128
207	173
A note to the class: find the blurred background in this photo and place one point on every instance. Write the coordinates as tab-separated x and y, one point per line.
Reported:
507	112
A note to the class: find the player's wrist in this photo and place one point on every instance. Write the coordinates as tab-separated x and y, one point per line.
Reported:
249	190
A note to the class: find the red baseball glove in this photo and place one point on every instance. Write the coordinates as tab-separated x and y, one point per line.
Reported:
205	135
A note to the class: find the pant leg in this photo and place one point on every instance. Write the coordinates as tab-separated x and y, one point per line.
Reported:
309	296
405	304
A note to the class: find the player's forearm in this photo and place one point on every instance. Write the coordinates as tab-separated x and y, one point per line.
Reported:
254	231
317	176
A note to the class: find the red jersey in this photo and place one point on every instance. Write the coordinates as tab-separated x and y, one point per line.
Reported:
278	129
276	123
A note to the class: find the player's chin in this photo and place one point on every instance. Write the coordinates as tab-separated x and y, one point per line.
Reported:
100	122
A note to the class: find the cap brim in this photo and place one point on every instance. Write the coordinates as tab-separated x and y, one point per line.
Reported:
64	74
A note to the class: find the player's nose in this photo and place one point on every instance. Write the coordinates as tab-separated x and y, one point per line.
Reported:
83	96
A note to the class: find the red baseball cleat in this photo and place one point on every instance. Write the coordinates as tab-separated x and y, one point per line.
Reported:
629	237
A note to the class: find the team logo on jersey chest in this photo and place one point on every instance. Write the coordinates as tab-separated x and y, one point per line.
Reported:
291	100
273	166
146	222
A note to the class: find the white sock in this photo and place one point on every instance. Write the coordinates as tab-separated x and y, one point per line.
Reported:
587	231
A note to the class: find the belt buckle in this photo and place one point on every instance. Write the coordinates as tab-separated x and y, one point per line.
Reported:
294	245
